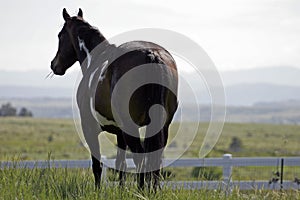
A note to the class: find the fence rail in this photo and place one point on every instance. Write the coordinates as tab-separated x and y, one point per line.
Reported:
226	162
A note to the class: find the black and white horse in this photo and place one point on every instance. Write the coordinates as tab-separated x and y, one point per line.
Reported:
77	42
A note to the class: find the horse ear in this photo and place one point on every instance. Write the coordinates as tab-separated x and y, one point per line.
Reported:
79	13
66	15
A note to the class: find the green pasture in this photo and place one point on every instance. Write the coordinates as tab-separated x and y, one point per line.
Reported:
31	138
35	139
78	184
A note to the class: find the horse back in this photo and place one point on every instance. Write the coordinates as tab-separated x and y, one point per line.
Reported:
139	53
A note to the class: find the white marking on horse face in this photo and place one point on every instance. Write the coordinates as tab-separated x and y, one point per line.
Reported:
88	55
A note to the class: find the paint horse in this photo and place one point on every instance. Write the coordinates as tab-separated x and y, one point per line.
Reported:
103	108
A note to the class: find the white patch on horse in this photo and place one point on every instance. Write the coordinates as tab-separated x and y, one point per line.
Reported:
91	78
103	69
88	55
103	121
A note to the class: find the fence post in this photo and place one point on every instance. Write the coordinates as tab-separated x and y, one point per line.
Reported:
227	171
281	173
104	169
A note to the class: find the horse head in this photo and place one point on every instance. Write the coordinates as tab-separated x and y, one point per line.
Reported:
66	55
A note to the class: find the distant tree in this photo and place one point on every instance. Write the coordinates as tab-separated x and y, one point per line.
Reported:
7	110
236	144
24	112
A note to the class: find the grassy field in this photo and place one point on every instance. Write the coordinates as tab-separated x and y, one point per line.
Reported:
78	184
32	139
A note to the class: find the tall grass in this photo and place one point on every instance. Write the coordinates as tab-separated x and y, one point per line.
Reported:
52	183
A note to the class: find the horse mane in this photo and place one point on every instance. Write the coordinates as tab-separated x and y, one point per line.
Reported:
90	34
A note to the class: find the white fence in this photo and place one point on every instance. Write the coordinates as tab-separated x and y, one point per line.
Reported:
226	162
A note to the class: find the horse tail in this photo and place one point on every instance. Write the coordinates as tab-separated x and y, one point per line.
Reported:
161	95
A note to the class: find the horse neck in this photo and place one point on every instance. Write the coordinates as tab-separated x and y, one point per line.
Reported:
84	44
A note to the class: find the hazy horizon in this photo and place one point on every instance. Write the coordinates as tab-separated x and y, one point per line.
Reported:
250	42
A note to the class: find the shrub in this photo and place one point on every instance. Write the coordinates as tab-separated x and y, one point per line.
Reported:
24	112
235	145
207	173
7	110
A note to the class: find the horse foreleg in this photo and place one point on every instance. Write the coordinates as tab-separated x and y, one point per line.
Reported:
93	143
97	170
121	159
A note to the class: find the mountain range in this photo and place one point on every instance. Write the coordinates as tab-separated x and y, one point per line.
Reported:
242	87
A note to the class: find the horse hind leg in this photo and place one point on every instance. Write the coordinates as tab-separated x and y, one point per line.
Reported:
135	146
154	147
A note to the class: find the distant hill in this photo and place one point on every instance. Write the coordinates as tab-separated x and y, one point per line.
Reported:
236	95
248	94
280	75
34	92
285	112
246	87
243	87
43	107
36	78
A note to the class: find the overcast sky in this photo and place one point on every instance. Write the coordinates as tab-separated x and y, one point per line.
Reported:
235	34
